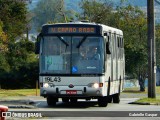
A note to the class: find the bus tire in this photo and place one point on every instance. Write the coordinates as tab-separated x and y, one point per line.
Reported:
65	100
109	98
51	101
116	98
102	101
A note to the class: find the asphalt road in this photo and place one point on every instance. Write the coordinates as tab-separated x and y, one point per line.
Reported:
82	110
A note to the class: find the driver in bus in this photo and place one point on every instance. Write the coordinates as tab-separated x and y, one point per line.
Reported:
95	54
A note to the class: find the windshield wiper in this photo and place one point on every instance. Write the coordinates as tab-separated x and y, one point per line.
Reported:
63	41
80	43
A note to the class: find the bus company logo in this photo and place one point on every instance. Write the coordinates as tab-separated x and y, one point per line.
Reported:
6	114
21	114
71	86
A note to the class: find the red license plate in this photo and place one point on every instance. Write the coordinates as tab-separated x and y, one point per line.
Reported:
71	92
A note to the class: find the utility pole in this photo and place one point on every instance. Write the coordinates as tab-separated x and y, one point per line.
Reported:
151	50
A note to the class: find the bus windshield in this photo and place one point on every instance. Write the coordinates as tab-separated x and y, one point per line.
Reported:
72	55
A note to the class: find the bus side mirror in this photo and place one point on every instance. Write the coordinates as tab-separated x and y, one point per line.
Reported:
107	48
105	34
37	45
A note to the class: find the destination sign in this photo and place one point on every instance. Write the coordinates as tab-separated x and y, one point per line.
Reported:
90	30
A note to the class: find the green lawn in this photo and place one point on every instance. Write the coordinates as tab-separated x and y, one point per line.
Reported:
144	99
149	100
18	92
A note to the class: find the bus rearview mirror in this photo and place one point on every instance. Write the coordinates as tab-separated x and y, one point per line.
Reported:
37	45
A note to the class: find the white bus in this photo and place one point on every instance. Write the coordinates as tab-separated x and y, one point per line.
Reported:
81	60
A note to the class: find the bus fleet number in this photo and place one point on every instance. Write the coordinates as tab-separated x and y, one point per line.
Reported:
56	79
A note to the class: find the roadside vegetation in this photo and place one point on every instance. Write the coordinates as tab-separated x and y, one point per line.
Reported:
143	100
18	92
155	101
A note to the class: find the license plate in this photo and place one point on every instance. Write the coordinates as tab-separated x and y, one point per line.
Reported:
71	92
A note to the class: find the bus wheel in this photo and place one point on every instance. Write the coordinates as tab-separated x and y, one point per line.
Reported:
102	101
116	98
65	99
73	100
51	101
109	98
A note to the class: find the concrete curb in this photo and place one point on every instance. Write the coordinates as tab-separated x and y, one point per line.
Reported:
138	103
27	102
21	106
19	103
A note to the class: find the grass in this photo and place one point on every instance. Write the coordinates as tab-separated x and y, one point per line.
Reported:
18	92
144	99
149	100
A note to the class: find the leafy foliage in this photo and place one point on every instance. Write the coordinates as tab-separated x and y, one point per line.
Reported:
13	16
3	39
134	25
23	66
18	63
51	11
44	12
99	12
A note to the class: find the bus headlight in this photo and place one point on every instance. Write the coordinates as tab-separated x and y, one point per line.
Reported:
46	85
96	85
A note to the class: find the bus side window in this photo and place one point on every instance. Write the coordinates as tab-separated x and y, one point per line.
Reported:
122	48
108	51
118	39
118	47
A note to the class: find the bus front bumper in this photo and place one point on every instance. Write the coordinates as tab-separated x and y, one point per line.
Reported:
77	91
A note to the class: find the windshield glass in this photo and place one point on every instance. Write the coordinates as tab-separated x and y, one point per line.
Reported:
72	55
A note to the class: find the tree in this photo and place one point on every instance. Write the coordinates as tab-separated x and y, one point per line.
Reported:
99	12
61	10
4	66
22	66
13	16
18	63
3	39
50	11
134	25
44	12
